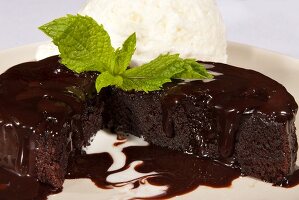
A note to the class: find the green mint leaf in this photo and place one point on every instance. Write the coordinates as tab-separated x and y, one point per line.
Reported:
106	79
56	28
199	68
124	55
83	44
193	70
153	75
146	84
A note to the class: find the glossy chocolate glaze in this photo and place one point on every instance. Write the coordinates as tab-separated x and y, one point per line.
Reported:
37	98
14	187
231	96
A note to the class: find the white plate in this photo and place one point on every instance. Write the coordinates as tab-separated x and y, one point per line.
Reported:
281	68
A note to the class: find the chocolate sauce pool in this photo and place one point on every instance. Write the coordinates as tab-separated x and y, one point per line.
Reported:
182	173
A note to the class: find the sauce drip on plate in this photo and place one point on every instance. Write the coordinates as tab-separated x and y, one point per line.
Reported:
181	173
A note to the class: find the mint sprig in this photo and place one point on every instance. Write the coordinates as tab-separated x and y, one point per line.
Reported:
84	45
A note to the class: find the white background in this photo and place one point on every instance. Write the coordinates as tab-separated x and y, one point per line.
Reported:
269	24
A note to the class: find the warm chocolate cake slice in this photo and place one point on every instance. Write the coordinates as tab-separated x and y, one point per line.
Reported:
46	112
241	117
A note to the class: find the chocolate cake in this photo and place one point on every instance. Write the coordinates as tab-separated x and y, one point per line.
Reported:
241	118
46	113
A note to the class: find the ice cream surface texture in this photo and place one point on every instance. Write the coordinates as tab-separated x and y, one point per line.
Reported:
192	28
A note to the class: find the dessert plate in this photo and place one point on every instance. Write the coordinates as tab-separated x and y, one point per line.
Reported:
279	67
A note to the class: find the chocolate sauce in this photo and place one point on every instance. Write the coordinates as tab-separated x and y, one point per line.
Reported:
118	143
231	96
181	173
290	181
14	187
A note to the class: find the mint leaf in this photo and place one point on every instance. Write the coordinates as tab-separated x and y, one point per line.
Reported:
124	55
193	70
153	75
56	29
83	44
106	79
199	68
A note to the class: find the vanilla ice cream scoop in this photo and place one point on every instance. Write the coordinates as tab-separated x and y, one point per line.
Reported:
192	28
